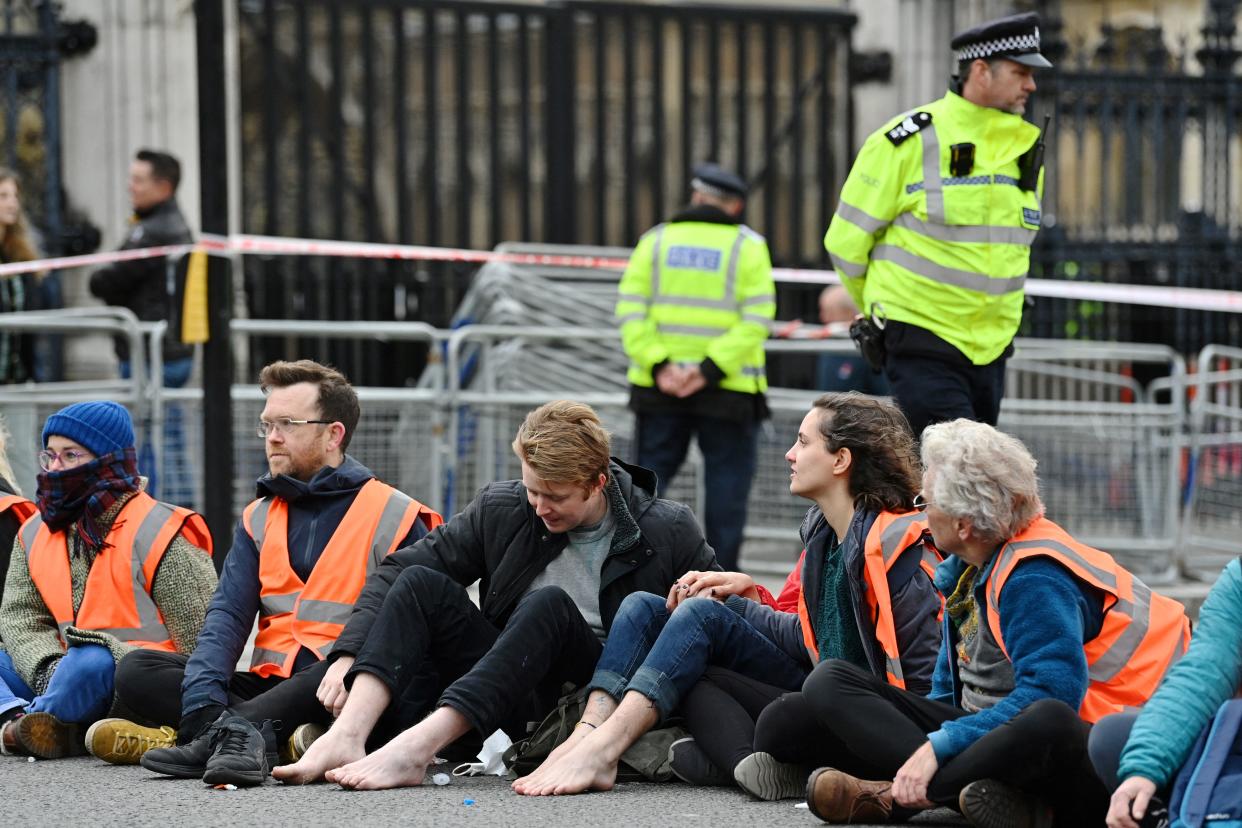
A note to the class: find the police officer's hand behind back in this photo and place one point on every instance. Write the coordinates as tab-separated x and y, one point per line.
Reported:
332	693
692	381
717	585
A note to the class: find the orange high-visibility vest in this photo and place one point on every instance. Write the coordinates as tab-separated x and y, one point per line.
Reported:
891	534
117	599
1143	633
21	507
293	614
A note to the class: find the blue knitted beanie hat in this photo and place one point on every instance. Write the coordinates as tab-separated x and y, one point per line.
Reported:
99	426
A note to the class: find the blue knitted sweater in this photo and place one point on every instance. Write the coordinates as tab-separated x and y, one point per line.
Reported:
1046	614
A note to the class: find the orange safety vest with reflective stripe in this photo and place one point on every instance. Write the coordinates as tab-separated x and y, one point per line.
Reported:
891	535
117	599
1143	633
21	507
293	614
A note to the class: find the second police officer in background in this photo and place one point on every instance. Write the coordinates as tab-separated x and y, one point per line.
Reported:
694	306
934	227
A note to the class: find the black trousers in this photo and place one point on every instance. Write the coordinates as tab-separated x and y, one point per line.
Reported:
731	716
148	686
936	389
1042	750
432	646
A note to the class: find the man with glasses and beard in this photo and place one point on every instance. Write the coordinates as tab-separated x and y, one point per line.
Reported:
72	607
300	556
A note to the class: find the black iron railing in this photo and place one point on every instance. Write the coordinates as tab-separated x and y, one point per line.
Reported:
469	123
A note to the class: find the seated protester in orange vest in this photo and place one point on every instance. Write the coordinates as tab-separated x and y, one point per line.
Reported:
101	570
869	599
14	509
555	554
300	556
1043	636
855	457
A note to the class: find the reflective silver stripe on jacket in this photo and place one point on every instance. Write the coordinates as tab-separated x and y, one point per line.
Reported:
387	527
30	530
1119	654
989	285
931	174
968	233
261	656
894	667
150	628
730	291
258	522
847	267
655	262
327	612
860	218
278	604
891	537
753	371
692	330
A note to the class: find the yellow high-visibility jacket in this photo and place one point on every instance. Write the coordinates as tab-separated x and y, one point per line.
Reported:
695	290
948	253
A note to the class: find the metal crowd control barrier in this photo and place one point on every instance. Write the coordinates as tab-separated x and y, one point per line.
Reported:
1212	516
27	406
1110	446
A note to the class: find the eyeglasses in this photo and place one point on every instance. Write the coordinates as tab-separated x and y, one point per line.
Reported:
69	458
284	425
920	503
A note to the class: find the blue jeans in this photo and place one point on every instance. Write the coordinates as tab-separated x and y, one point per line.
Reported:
661	655
728	449
174	481
80	690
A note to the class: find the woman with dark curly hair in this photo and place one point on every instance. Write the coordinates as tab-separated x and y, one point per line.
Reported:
17	293
861	593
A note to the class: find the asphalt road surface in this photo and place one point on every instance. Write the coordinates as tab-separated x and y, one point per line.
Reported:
87	792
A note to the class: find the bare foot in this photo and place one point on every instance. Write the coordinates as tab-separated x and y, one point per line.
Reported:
400	763
329	751
575	736
583	768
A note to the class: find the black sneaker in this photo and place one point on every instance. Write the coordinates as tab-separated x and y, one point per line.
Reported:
691	765
187	761
244	754
988	803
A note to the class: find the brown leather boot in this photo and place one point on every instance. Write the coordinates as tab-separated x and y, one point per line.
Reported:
9	746
47	737
837	797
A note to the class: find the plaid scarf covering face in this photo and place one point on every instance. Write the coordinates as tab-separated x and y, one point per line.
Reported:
81	495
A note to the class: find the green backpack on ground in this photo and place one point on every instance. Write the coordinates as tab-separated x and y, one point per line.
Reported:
646	759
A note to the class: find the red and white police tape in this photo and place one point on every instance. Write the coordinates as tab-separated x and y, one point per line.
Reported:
1226	301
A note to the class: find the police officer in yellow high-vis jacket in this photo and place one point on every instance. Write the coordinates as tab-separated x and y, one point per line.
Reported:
934	227
694	306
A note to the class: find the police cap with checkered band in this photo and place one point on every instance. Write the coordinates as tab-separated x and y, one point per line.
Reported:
1014	38
715	180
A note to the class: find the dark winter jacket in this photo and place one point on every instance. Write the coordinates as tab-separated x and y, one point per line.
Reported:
500	542
915	602
316	508
143	285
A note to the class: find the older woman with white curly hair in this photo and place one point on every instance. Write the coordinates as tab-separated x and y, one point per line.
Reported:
1042	636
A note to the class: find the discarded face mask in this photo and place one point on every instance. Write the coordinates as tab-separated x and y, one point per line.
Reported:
491	759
